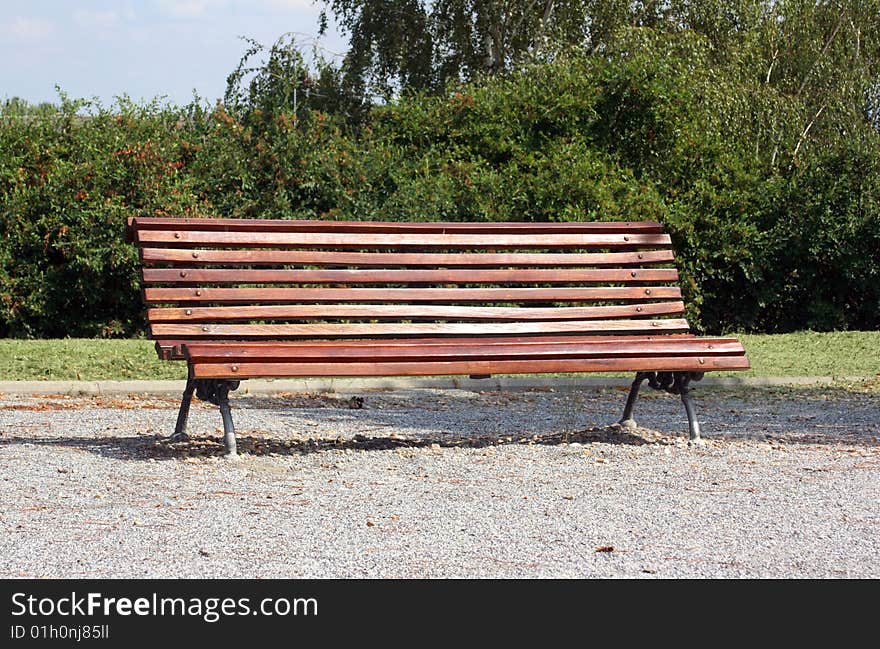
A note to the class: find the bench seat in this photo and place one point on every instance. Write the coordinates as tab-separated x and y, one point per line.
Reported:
491	355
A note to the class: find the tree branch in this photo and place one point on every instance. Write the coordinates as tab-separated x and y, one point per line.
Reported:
523	17
803	136
772	63
548	9
821	54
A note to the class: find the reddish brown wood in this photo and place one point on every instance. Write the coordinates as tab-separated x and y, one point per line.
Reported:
578	347
167	352
236	341
405	295
283	225
358	240
391	259
278	331
172	348
407	312
426	340
240	370
409	276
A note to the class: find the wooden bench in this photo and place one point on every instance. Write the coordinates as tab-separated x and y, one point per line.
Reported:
240	298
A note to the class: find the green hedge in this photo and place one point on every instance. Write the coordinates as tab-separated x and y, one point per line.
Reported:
771	236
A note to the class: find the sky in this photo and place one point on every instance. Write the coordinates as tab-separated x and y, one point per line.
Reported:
141	48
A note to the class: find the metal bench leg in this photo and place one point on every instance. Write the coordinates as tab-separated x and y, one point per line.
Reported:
228	426
693	424
216	391
673	383
627	420
182	416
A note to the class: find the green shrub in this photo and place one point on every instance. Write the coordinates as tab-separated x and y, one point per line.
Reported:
775	231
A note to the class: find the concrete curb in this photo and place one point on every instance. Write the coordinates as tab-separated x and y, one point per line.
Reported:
348	385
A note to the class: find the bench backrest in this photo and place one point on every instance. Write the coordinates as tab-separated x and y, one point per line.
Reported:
239	279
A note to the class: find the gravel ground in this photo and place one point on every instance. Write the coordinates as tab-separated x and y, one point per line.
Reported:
444	484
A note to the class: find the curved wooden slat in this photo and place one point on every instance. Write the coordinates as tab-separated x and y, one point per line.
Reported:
580	347
284	225
429	368
408	311
404	295
359	240
390	259
409	276
173	347
370	329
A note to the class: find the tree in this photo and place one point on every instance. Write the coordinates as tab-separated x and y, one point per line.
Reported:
286	82
422	45
799	46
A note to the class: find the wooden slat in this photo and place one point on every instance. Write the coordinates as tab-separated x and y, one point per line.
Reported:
429	368
164	344
408	311
386	259
408	276
439	340
579	348
371	329
283	225
359	240
405	295
172	348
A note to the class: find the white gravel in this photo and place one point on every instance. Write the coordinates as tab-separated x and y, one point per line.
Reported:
444	484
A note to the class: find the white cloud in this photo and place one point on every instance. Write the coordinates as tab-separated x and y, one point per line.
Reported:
292	5
189	8
102	19
197	8
27	29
